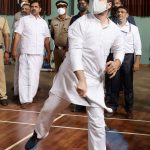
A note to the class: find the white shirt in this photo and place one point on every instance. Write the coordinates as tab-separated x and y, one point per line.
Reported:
90	39
15	24
132	41
33	32
89	46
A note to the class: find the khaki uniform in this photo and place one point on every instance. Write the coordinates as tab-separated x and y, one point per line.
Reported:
4	28
59	29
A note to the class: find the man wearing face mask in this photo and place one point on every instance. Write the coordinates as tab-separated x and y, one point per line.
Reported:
59	32
83	6
81	75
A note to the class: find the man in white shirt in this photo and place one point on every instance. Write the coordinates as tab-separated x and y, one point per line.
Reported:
18	15
25	10
81	74
131	63
33	34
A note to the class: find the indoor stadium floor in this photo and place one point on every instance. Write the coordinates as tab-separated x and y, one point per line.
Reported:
69	130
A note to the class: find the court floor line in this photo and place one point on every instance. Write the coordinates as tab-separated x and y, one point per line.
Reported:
83	129
112	131
132	120
120	119
20	141
18	110
65	127
31	124
130	133
13	122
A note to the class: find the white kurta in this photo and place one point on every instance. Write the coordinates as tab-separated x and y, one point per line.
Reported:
89	46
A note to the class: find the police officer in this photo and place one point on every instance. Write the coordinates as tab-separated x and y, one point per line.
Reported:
4	55
59	32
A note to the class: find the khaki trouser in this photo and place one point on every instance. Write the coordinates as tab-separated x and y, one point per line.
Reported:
59	55
2	77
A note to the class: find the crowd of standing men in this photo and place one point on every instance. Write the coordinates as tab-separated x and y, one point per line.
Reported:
28	43
88	48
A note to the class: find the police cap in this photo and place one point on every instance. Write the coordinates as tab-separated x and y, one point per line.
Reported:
61	2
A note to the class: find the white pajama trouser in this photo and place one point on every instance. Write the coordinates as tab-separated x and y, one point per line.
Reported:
16	77
96	123
29	73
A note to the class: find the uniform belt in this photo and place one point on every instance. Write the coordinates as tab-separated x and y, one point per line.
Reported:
60	47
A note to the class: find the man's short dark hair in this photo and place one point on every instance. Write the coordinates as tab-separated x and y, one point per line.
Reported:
61	1
123	2
122	7
85	1
35	1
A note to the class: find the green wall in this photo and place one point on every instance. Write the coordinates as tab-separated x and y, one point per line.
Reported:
142	22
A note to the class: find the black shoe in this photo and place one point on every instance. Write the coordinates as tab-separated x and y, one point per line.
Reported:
78	108
25	105
4	102
16	97
32	142
129	115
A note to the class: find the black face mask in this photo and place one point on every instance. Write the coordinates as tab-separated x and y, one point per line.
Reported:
82	8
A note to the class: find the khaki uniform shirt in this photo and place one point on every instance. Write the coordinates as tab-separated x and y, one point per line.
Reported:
59	28
4	28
